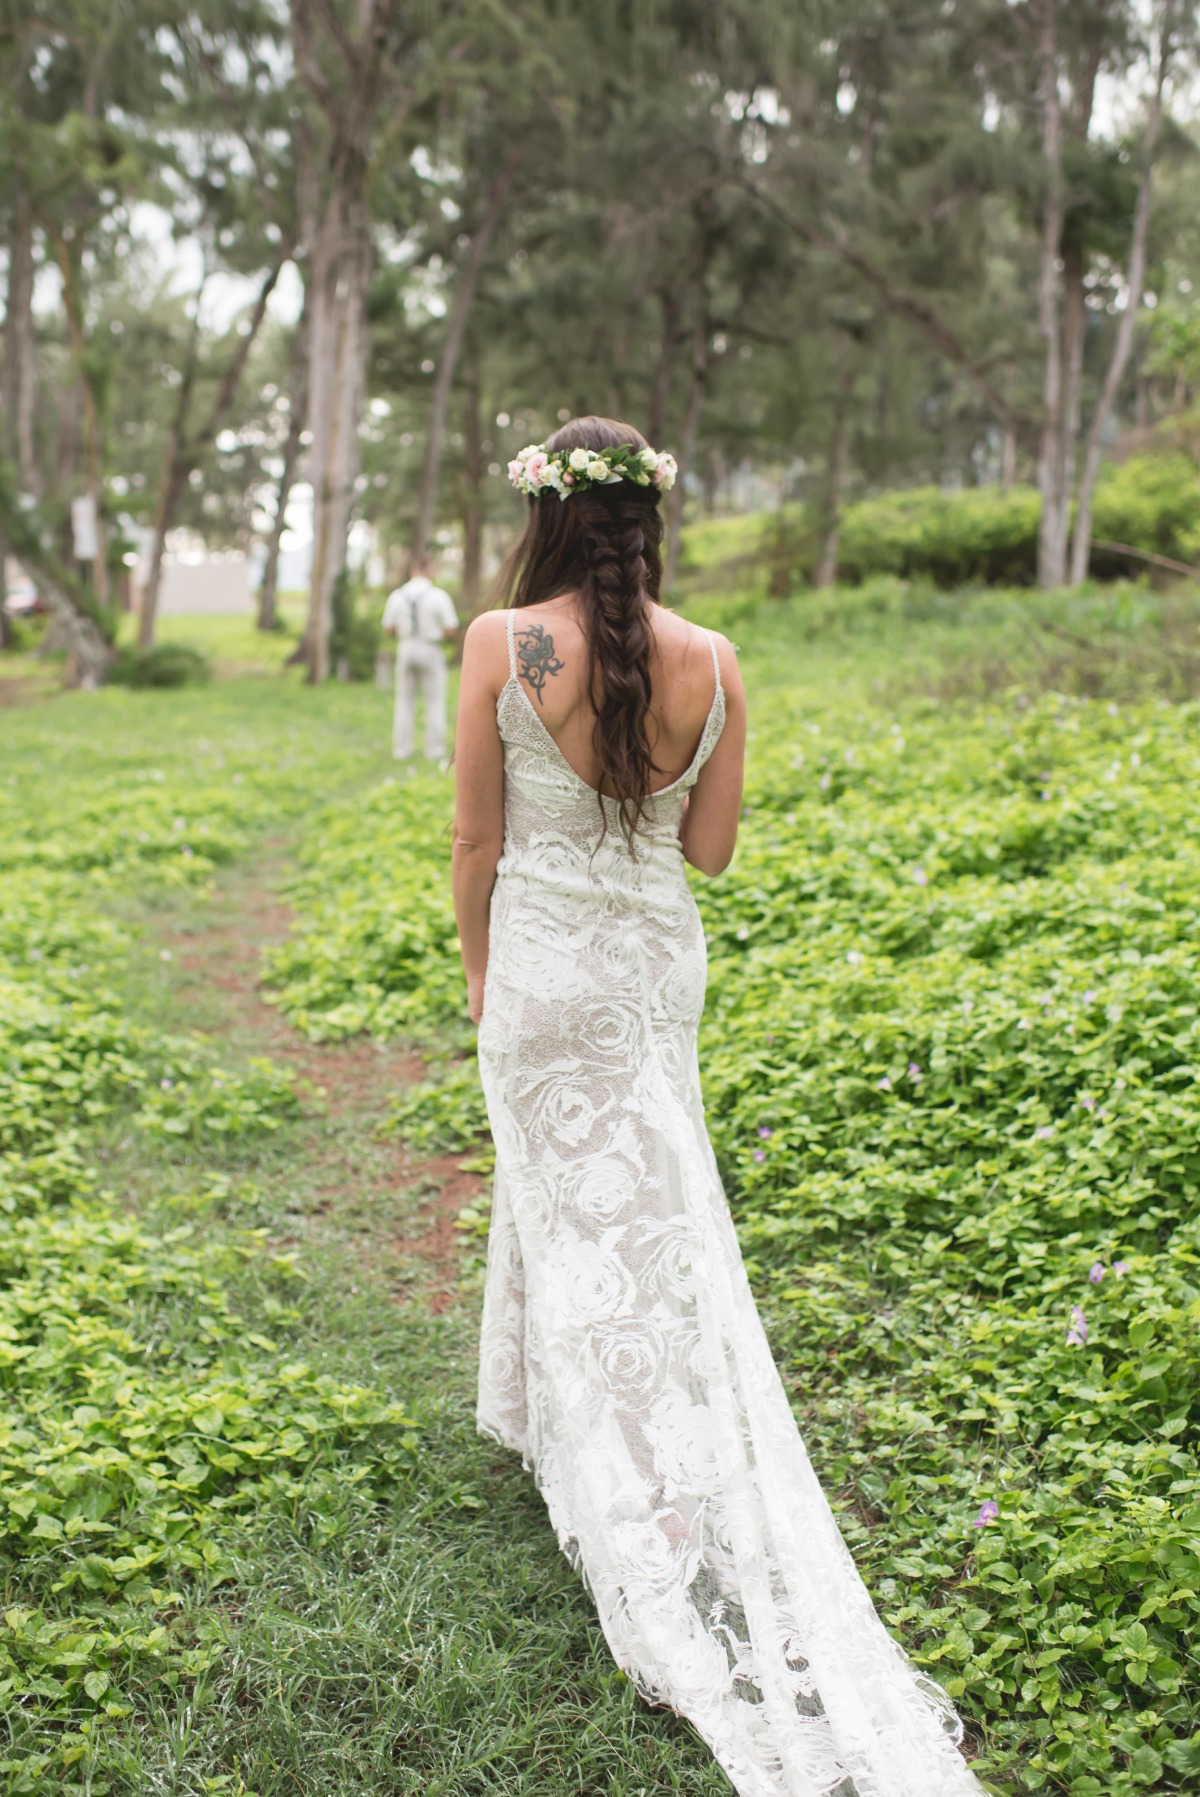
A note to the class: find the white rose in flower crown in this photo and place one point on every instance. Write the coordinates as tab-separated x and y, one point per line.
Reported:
597	470
665	470
649	460
579	459
530	449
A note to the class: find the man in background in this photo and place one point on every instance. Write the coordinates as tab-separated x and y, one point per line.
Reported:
421	617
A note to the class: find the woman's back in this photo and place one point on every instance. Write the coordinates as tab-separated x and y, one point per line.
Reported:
552	664
695	724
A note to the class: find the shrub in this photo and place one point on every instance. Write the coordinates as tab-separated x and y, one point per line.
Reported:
166	664
982	535
354	633
1152	502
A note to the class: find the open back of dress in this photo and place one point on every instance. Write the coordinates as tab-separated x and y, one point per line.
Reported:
622	1354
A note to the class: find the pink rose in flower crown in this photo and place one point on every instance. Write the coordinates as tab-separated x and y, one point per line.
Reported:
535	468
665	470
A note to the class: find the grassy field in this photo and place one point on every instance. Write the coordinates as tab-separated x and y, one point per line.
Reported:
252	1543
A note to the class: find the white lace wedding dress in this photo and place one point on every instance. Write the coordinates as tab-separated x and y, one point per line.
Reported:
622	1355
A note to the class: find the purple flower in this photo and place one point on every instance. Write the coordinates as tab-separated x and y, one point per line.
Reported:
166	1084
920	877
1089	997
1120	1268
759	1155
763	1132
1088	1102
825	782
885	1084
1077	1334
988	1512
1097	1273
914	1073
1043	1132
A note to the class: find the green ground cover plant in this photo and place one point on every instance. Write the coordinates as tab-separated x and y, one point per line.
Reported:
230	1563
951	1062
147	1414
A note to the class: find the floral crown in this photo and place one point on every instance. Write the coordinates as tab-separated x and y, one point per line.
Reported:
566	471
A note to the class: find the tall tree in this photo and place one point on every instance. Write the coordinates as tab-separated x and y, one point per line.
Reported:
360	73
1166	24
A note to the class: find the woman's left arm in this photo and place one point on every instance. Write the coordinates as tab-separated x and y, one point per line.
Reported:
478	802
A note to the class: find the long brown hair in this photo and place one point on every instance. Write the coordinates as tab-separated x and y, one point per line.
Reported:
606	545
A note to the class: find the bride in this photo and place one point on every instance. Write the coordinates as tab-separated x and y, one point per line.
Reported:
599	748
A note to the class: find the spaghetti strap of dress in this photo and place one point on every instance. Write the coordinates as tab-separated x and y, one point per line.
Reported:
512	649
712	643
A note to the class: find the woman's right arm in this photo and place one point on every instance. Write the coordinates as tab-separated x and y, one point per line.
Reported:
710	823
478	802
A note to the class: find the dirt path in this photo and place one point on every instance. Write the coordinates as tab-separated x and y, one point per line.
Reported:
400	1208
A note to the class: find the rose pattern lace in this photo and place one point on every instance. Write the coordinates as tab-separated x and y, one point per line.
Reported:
622	1355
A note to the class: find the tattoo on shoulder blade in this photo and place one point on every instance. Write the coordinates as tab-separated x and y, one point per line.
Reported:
535	652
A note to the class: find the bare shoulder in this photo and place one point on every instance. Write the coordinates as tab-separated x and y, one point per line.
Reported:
485	649
488	627
696	645
727	661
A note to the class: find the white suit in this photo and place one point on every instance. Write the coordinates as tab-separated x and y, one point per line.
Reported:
421	615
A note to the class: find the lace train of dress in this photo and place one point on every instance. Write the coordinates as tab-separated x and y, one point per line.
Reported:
622	1355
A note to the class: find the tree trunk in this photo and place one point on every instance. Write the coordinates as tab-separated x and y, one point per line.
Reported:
826	569
174	481
1051	452
173	474
75	614
19	345
689	436
16	430
340	272
672	337
1008	442
92	449
472	565
1081	545
298	398
464	294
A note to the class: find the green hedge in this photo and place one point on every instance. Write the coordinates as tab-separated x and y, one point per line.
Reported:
989	534
165	664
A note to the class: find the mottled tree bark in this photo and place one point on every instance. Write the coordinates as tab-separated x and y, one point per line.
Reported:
297	415
472	565
1052	529
689	435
